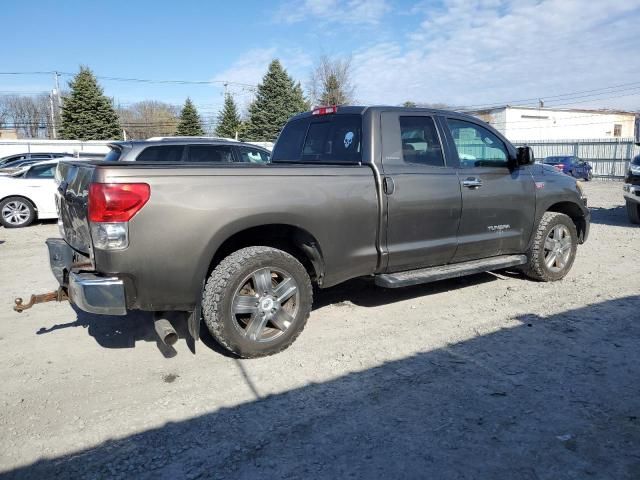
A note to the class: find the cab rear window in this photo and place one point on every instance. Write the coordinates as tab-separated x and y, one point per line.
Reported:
324	139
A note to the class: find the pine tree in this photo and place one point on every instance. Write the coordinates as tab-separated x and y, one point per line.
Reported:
189	125
228	119
86	113
278	98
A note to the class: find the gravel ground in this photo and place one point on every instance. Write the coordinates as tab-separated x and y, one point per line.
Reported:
491	376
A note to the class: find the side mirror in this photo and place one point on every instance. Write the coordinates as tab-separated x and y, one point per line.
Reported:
525	156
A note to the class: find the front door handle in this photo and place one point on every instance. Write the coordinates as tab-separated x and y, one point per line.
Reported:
472	182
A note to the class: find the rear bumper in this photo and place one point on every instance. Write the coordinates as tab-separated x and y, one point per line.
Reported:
89	291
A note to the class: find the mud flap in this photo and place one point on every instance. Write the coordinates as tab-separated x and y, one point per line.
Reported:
193	325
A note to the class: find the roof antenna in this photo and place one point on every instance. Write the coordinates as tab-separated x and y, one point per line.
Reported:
541	103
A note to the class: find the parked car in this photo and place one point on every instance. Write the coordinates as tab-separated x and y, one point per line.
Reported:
404	196
571	165
28	194
631	189
31	156
187	149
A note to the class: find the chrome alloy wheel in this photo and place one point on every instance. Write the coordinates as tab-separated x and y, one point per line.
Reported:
15	212
557	248
265	304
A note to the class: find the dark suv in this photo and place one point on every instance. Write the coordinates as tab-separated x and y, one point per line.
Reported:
631	190
189	150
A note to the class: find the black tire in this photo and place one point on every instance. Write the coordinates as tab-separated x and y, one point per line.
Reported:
231	277
19	202
589	177
633	212
537	268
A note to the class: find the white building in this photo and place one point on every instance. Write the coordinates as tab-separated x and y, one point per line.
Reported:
530	123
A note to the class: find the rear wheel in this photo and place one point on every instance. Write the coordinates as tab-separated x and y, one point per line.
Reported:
16	212
257	301
553	249
633	212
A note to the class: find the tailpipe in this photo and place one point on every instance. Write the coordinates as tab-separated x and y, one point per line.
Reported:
165	330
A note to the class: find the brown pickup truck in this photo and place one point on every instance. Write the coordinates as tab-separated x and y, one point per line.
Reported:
402	195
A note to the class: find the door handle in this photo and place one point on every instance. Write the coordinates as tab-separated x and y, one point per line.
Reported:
472	182
389	185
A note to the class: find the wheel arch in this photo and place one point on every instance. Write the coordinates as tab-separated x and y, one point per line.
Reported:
573	211
292	239
23	197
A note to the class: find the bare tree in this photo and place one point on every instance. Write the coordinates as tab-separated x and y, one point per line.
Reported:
149	118
330	82
30	115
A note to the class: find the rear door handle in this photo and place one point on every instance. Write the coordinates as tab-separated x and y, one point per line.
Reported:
389	185
472	182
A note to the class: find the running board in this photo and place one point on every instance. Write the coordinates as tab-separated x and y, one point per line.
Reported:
433	274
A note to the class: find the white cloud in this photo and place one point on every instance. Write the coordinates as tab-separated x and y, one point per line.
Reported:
469	52
364	12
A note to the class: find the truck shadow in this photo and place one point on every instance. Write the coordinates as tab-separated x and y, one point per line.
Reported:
136	326
553	397
615	216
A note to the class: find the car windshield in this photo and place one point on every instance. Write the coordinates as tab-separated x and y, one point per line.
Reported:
552	160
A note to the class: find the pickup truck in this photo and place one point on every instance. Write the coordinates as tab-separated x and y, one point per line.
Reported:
402	195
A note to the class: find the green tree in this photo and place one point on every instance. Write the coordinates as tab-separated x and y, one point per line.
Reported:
86	113
228	119
278	98
409	104
189	124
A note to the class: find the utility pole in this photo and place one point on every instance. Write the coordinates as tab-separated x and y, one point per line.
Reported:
56	75
53	117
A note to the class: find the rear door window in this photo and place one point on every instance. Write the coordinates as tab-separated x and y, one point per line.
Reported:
420	142
210	153
161	153
41	171
322	139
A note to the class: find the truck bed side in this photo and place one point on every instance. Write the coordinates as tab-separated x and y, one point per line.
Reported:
194	210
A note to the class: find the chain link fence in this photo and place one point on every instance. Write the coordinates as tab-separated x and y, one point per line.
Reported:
608	157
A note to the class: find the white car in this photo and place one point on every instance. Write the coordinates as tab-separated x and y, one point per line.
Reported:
28	194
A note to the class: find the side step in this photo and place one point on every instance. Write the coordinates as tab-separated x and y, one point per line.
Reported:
433	274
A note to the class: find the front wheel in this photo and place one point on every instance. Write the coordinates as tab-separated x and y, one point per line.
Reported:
16	212
633	212
257	301
553	249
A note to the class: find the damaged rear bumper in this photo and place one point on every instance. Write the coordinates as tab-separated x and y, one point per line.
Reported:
89	291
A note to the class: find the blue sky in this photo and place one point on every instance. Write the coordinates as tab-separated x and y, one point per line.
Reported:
461	52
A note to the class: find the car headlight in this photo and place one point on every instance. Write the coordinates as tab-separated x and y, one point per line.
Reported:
635	169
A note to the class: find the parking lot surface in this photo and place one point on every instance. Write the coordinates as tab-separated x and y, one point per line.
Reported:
490	376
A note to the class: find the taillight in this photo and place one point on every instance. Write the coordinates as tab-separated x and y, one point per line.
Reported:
116	202
560	166
325	110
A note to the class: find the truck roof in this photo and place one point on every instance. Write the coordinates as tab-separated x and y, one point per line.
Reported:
361	110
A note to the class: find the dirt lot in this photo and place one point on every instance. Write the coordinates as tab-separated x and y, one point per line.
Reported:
491	376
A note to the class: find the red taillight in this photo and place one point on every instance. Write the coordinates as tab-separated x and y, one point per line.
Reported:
116	202
325	110
560	166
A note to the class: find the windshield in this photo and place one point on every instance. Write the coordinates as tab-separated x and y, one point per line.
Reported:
320	139
552	160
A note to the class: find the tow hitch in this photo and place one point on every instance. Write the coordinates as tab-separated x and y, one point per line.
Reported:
60	295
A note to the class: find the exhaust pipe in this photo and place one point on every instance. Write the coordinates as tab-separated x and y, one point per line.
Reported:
165	330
